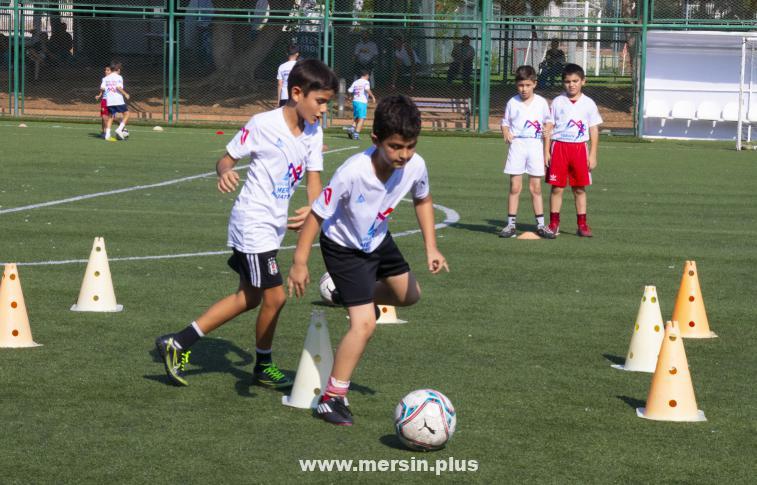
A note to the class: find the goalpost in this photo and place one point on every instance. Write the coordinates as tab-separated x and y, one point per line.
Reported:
747	94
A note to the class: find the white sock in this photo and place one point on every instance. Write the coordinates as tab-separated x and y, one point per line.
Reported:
511	220
107	133
540	220
197	329
121	126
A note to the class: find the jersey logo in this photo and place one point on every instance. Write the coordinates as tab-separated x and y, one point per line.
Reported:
295	174
536	126
279	143
245	134
361	199
273	267
578	124
380	217
327	195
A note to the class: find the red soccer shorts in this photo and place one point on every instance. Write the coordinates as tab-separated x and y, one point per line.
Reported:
569	165
104	107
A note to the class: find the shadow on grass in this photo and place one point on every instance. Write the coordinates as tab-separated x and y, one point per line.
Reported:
632	401
491	228
615	359
391	441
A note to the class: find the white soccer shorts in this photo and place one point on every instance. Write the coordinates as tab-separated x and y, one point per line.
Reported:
526	155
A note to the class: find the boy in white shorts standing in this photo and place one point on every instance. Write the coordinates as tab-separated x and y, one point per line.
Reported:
526	117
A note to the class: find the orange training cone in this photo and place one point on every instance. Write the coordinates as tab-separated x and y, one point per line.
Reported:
14	321
671	395
647	335
689	309
388	315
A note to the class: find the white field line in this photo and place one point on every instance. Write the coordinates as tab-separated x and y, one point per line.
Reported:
450	217
131	189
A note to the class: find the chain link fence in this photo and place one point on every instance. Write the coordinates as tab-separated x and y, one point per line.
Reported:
683	11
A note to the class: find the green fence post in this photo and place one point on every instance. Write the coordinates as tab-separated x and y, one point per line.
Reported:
16	33
642	68
171	52
483	98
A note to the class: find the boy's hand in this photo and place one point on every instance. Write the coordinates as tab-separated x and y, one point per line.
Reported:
126	95
592	162
296	221
436	261
509	137
228	181
547	159
298	278
97	97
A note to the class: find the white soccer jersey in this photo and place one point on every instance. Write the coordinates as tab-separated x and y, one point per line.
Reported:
278	162
573	120
359	90
109	85
283	75
356	205
526	120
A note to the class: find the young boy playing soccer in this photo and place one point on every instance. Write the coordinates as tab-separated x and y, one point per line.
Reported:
104	113
113	87
282	91
526	117
577	121
360	255
285	147
360	90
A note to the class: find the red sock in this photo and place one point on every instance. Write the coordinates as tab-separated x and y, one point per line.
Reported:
554	218
581	218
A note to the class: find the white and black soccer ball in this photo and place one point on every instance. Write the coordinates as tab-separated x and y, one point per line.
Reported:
123	134
425	420
327	287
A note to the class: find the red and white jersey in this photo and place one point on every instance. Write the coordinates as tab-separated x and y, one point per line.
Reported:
278	163
356	205
359	90
283	75
573	120
526	120
109	85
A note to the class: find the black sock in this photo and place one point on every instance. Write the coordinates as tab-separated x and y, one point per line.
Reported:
187	337
262	358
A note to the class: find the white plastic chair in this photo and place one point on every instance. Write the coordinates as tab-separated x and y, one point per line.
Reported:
708	111
731	112
656	108
683	110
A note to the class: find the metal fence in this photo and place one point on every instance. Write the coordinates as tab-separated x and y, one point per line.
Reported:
214	61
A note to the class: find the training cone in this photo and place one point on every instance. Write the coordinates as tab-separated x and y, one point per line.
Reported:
671	395
647	335
529	236
96	294
689	309
315	365
14	321
388	315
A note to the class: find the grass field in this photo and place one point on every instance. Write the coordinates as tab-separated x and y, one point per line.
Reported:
520	335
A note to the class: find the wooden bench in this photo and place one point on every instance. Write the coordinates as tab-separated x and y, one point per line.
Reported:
441	112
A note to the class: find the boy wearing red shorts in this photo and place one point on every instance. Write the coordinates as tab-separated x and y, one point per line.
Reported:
566	154
104	113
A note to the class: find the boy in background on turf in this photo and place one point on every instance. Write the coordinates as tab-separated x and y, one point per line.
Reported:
526	118
285	148
360	255
577	121
113	87
282	92
102	96
360	90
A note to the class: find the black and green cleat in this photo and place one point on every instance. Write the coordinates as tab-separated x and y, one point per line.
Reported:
175	359
269	375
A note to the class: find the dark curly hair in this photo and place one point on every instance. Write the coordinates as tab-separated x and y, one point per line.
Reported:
396	115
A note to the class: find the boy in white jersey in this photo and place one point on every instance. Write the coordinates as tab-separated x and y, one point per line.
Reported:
113	87
285	147
526	118
360	255
577	121
360	90
282	92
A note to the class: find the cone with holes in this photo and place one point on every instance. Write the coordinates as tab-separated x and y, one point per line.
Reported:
671	395
647	335
388	315
315	365
96	294
689	309
14	321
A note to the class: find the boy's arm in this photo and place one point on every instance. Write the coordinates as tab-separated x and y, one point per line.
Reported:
547	139
124	93
594	140
507	134
279	84
299	276
370	93
100	94
314	187
424	211
228	178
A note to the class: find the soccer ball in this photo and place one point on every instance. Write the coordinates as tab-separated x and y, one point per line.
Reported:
425	420
326	286
123	135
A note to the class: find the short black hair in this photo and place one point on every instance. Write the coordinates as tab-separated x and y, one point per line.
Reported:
525	73
293	49
573	69
396	115
365	72
115	66
311	75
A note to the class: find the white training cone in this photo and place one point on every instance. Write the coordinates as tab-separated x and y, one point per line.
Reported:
647	335
388	315
96	294
315	365
14	321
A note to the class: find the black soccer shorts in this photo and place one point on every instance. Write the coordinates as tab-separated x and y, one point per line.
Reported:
259	270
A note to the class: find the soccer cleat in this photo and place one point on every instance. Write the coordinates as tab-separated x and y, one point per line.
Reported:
110	138
269	375
175	359
584	231
554	228
543	231
355	135
334	410
508	231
